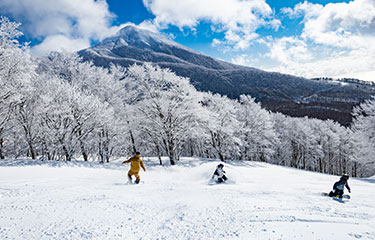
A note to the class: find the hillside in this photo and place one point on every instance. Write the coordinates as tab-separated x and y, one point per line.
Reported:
59	200
284	93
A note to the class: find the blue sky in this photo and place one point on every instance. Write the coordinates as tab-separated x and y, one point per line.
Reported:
306	38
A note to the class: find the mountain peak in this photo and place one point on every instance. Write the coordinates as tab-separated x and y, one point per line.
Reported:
134	31
131	35
131	29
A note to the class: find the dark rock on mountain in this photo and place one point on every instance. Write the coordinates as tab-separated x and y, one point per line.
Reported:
295	96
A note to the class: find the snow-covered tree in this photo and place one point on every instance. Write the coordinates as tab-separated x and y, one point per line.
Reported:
256	132
364	129
221	126
296	141
16	72
104	85
316	145
70	117
26	115
165	105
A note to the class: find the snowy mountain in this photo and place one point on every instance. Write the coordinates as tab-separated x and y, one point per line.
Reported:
288	94
61	200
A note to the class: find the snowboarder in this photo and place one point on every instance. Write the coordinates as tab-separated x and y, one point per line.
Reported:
219	176
338	187
135	165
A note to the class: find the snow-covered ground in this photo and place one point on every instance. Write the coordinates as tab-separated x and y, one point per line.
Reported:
49	200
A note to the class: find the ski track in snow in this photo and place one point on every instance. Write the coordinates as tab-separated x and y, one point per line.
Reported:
49	200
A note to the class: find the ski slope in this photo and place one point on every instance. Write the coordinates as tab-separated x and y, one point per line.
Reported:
55	200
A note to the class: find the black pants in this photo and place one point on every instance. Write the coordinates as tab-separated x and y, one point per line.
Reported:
337	192
222	179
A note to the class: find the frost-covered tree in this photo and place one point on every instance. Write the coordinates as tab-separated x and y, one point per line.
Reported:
57	116
316	145
257	130
27	117
69	117
16	72
326	134
106	139
364	129
348	153
126	107
297	141
110	90
221	126
165	105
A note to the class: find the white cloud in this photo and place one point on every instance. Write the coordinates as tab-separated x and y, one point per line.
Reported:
60	43
242	59
350	25
288	50
149	25
305	9
322	61
146	24
336	41
356	65
68	24
238	19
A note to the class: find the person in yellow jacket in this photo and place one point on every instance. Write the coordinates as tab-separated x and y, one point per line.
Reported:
135	165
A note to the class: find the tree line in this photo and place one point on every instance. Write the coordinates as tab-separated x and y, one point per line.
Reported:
61	108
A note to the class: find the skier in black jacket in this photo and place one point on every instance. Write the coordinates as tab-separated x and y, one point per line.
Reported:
219	176
338	187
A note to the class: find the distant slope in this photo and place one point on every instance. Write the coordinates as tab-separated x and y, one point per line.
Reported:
87	200
288	94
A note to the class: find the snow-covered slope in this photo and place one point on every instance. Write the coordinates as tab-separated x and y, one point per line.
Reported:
91	201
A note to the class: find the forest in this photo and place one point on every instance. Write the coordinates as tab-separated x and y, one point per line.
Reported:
64	109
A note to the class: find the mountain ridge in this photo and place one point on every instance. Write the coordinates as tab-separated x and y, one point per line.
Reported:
288	94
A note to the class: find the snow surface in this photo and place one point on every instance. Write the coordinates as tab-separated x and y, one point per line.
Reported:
56	200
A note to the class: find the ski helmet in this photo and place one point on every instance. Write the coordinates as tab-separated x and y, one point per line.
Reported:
345	176
220	165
